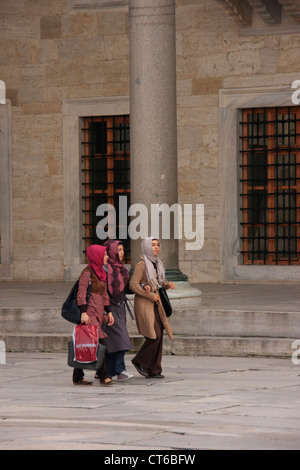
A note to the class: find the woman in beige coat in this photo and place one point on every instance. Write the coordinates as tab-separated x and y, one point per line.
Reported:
151	320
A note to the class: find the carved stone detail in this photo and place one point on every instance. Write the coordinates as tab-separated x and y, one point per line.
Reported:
292	7
240	10
269	10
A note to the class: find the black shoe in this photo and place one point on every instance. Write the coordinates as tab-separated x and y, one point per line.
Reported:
155	376
140	369
83	382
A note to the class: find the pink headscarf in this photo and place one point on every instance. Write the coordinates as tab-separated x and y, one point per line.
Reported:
118	275
95	254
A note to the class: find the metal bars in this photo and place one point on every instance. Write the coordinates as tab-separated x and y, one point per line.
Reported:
106	172
270	182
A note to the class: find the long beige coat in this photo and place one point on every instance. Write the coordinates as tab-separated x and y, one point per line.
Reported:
144	304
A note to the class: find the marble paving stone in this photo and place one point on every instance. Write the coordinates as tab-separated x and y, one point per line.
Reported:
203	403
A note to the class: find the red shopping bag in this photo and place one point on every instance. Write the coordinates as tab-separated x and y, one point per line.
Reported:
85	341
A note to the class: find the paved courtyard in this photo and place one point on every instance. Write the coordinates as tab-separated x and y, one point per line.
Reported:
203	403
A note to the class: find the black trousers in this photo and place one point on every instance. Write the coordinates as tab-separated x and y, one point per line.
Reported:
150	354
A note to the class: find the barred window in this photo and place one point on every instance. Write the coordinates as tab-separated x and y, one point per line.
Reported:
270	182
106	172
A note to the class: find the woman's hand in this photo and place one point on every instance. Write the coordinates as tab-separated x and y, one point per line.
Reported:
110	319
172	285
85	319
156	299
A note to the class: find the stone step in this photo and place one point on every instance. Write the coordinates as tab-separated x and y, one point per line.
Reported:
198	331
234	346
235	323
188	322
181	346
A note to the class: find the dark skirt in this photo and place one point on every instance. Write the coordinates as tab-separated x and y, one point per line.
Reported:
117	335
150	354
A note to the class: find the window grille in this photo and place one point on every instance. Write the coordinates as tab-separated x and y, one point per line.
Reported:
270	182
106	173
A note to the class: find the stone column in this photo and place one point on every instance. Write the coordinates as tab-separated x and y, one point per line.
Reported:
153	121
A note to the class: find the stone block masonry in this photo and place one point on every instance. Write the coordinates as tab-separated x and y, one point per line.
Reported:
51	53
61	50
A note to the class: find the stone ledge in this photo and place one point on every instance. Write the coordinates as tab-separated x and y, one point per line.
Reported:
181	346
89	4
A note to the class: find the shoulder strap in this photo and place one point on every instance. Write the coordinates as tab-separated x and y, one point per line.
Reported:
91	272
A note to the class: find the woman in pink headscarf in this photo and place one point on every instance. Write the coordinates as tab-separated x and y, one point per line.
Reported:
98	306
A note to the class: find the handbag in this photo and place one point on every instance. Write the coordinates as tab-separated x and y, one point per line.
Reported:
85	341
89	366
165	301
70	310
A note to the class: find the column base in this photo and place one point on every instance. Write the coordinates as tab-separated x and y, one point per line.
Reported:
175	275
184	288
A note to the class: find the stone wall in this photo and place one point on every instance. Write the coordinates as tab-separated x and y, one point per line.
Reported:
51	52
212	55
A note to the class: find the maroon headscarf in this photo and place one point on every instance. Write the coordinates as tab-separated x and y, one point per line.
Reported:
118	275
95	254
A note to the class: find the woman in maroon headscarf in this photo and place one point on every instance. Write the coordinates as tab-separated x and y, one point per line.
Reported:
118	341
98	305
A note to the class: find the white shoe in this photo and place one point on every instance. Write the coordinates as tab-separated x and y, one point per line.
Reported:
124	376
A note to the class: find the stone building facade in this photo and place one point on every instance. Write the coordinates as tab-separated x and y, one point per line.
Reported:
65	61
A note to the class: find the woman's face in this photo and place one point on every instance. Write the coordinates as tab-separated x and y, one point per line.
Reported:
121	252
155	247
105	258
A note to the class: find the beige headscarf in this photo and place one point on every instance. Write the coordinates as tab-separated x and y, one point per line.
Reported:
155	277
